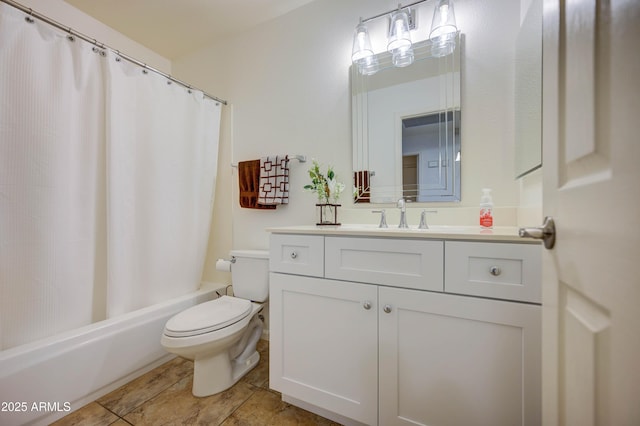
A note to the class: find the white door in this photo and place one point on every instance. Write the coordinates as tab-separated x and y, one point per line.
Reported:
591	145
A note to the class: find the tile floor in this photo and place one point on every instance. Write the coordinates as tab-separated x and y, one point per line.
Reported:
163	397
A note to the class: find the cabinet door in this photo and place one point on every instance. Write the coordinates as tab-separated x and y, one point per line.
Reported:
324	344
457	360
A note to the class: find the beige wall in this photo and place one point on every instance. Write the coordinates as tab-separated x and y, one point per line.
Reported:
288	85
79	21
288	88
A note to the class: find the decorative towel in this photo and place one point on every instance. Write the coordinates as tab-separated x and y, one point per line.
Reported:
249	182
274	180
361	178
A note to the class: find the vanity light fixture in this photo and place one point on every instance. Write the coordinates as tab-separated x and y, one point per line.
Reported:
443	29
399	42
362	53
401	22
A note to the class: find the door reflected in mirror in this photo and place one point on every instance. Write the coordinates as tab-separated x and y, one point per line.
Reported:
406	129
428	164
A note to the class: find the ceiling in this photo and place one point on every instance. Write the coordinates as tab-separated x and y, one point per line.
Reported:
174	28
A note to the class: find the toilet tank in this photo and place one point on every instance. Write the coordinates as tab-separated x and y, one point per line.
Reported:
250	274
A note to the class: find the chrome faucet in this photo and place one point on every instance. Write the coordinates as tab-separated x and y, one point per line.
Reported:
383	218
423	219
403	213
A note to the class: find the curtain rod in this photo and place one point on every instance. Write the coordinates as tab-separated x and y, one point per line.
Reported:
388	12
93	41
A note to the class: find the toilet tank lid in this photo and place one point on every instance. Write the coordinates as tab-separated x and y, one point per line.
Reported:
259	254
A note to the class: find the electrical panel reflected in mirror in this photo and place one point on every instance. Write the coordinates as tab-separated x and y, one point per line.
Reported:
406	128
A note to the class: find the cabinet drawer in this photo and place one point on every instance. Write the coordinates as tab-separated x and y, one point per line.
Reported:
497	270
393	262
297	254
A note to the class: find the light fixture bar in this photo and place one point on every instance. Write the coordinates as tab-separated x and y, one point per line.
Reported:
392	10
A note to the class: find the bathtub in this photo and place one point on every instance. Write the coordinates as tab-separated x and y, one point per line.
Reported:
45	380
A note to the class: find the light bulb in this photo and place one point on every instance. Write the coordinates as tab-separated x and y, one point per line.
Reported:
399	36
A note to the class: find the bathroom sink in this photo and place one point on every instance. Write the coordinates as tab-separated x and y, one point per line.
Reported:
504	233
360	226
394	228
452	228
434	231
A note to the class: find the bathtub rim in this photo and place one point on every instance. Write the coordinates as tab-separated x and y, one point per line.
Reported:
63	342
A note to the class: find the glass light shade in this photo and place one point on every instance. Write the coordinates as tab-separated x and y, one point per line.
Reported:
362	53
443	46
361	44
368	65
402	57
399	36
443	25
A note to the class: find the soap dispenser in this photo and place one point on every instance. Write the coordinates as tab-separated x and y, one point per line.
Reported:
486	209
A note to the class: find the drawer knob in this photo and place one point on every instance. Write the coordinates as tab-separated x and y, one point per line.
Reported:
294	254
387	308
366	305
495	271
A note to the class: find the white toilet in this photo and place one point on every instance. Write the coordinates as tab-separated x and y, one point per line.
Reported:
220	336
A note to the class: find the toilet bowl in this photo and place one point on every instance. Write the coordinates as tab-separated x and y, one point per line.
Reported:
220	335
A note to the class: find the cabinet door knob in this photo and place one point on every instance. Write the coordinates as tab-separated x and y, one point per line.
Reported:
387	308
495	271
366	305
294	254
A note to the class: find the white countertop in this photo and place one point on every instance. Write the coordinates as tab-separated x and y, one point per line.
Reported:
498	233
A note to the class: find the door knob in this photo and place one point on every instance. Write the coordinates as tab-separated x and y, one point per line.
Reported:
546	233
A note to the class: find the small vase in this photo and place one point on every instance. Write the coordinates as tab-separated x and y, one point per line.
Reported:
327	214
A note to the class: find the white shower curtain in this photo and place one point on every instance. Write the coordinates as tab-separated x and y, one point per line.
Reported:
51	212
162	156
106	183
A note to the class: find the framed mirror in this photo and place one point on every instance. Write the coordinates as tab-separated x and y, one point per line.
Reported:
406	128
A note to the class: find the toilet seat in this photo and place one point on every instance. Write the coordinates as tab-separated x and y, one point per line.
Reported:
207	317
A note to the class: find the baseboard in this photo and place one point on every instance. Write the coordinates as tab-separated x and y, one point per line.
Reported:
321	411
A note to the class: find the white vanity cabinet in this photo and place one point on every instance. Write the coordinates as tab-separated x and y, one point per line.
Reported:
376	339
324	344
454	360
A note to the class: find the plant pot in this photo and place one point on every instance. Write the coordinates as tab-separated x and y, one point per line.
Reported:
327	214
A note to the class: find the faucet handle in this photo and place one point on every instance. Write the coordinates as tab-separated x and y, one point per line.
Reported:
383	218
402	205
423	219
